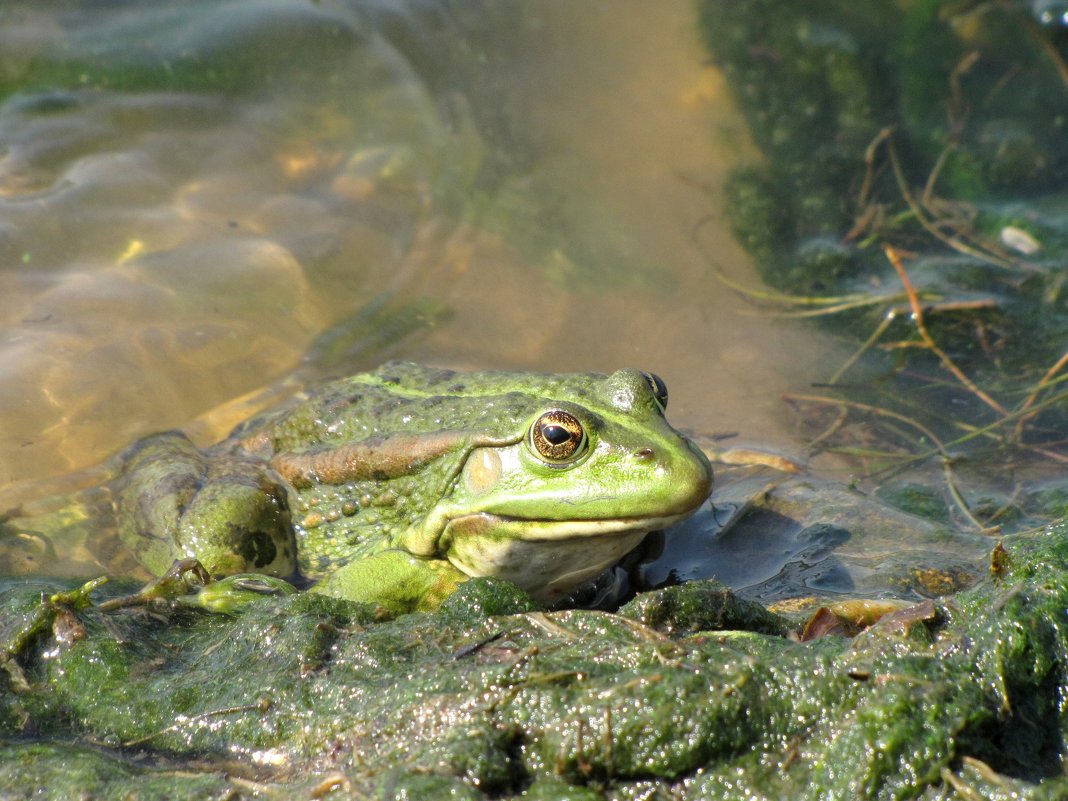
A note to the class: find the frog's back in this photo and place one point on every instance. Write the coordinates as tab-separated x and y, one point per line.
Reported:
406	397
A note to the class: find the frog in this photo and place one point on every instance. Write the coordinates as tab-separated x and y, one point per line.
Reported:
395	486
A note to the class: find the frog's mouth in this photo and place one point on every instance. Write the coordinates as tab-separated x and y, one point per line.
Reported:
504	527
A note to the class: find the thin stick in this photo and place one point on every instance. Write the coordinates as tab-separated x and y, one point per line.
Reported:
870	300
1042	384
831	430
989	427
947	460
782	297
1008	504
869	166
954	491
892	314
953	241
876	335
865	407
766	294
1049	454
921	328
936	171
1048	48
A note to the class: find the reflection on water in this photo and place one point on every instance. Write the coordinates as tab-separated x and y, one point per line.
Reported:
168	246
771	537
181	216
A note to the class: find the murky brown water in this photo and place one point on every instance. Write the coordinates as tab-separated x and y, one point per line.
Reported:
627	117
544	176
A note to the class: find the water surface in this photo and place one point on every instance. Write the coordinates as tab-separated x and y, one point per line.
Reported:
176	232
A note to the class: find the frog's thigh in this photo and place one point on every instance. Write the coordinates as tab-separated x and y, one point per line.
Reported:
234	525
394	579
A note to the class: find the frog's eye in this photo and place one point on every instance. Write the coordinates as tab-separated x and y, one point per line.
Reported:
659	388
558	437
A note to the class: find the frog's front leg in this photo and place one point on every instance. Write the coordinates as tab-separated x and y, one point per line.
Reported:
175	501
221	596
395	580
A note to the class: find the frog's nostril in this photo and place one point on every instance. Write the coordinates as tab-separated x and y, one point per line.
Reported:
644	453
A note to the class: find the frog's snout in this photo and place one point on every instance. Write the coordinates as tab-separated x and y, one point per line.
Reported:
695	472
685	474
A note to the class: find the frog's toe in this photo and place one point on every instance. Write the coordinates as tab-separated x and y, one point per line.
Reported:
175	584
231	593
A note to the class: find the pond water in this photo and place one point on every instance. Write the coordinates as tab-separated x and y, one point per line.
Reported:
182	216
206	206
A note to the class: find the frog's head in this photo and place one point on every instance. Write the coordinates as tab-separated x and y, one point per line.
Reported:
591	467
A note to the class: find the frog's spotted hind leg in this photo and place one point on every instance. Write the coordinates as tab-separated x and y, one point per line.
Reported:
227	509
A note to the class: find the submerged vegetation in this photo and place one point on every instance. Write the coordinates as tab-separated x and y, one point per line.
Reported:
913	192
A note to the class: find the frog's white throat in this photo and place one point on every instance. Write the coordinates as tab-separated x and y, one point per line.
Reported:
547	558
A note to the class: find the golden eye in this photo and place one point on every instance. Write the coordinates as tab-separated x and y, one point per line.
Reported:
558	437
659	388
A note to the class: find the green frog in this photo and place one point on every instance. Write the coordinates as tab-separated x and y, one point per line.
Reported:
396	485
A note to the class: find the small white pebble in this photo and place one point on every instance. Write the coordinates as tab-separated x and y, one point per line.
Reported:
1019	240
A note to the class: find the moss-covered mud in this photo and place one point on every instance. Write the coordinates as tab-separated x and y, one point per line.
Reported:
687	692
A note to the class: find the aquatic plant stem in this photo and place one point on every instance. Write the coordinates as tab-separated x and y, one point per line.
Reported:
921	217
987	429
869	175
876	335
767	295
831	430
261	706
925	335
1049	49
954	491
1042	384
826	400
939	446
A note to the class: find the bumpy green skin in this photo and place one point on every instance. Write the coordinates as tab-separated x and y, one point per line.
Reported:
395	486
484	699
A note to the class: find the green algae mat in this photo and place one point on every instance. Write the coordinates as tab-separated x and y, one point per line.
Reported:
685	692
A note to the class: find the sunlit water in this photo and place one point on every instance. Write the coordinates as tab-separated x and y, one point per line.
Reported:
184	214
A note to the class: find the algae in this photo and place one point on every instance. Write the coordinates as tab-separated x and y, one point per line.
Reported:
686	692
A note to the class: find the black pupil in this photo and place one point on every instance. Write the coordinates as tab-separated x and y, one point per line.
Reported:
556	435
